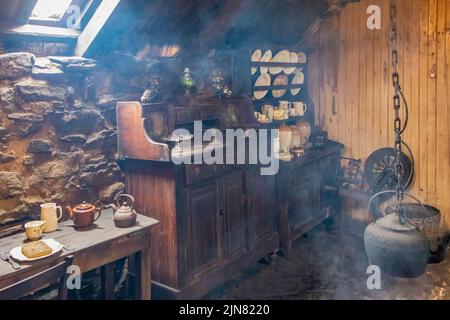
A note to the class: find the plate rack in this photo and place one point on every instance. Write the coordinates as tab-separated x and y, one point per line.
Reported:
302	96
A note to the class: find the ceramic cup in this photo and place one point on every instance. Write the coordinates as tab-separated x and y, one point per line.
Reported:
300	108
286	105
268	111
49	213
34	229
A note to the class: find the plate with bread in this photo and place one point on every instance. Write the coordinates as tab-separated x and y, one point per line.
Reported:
36	250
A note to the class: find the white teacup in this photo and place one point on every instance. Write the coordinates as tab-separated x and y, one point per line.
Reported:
268	111
286	105
300	108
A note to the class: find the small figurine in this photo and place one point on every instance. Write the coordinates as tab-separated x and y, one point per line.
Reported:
90	92
151	94
187	81
227	92
218	84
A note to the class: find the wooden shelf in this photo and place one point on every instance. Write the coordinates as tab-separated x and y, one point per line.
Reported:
276	123
278	87
278	64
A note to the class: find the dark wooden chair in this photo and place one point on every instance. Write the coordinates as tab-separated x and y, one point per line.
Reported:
39	280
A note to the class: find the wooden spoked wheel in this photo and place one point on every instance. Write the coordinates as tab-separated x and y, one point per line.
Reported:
379	170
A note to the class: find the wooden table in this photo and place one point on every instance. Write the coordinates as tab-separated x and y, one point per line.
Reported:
97	247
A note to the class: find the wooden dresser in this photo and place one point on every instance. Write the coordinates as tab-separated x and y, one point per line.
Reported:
215	220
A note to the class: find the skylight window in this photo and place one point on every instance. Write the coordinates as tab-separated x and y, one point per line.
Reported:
50	9
69	14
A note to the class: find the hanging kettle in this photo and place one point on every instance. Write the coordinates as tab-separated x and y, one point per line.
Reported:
396	245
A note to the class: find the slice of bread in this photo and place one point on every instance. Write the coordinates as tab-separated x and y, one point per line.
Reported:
36	249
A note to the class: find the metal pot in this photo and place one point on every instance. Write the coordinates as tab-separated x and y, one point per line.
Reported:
124	215
396	245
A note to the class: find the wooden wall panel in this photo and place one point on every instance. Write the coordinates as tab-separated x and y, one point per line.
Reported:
352	91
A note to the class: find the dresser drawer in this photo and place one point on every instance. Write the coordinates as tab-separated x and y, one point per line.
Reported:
209	113
184	115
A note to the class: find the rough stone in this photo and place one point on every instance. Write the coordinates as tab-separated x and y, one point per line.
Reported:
11	185
96	167
74	138
86	121
28	161
16	65
45	69
80	105
33	123
37	92
65	165
7	98
6	157
28	117
107	194
3	132
57	169
40	146
100	137
30	129
96	178
75	64
95	158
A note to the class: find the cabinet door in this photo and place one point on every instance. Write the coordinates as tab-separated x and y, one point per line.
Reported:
303	205
233	214
260	193
204	245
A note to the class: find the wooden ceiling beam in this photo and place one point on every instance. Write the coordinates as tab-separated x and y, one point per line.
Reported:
94	26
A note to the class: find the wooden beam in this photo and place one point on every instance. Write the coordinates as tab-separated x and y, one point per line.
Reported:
94	26
39	33
25	11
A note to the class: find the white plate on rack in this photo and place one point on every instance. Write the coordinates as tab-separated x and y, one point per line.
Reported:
281	80
292	59
256	57
16	253
284	57
267	57
263	80
302	57
298	79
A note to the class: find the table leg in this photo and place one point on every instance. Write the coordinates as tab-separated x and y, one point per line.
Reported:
107	272
143	275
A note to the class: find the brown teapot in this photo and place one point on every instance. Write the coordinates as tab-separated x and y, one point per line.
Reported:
84	214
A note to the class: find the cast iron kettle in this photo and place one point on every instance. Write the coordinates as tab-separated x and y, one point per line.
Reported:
124	215
396	245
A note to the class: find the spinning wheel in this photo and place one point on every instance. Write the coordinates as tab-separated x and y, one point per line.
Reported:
379	170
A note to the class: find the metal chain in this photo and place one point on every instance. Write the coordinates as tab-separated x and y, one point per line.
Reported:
400	190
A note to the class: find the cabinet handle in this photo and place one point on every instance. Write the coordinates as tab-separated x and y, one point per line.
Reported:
221	212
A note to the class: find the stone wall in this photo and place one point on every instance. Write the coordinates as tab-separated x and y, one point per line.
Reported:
57	131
